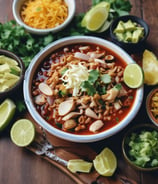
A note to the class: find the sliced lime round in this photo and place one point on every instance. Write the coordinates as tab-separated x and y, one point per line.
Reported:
22	132
7	111
133	76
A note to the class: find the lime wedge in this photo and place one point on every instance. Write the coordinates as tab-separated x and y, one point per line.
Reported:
96	16
133	76
7	111
105	163
22	132
150	68
79	165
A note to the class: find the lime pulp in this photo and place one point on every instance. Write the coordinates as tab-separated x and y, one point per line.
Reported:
7	111
105	163
22	132
133	76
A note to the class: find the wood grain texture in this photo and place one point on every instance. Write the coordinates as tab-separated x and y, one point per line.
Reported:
20	166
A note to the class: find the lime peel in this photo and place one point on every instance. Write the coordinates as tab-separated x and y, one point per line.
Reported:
22	132
7	111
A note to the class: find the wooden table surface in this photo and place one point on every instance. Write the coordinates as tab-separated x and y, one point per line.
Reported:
20	166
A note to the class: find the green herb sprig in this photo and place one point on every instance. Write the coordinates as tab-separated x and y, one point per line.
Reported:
117	7
15	39
94	83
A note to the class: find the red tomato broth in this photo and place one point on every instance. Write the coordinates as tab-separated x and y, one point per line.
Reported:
45	67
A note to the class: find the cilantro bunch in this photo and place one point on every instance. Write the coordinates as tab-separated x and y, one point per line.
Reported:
15	39
117	7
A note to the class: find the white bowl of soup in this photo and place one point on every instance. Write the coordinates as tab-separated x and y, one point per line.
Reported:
74	89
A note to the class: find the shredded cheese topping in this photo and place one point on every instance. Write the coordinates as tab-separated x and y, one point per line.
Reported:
74	76
44	14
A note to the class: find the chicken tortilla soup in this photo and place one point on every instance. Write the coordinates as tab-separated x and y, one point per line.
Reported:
79	89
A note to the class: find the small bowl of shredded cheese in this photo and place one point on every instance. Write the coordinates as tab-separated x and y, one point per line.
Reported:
43	16
152	105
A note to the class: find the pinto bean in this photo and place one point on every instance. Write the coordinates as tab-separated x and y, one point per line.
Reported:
88	120
86	99
40	99
69	124
81	119
35	92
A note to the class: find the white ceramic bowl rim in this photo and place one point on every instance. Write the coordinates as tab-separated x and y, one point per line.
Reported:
71	9
59	133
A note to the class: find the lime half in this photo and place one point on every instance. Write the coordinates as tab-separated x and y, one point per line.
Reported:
22	132
105	163
7	111
133	76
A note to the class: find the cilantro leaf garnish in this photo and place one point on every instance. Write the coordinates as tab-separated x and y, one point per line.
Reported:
93	76
14	38
118	86
20	104
117	7
88	87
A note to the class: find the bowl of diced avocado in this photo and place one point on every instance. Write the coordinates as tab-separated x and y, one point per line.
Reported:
140	147
11	73
129	32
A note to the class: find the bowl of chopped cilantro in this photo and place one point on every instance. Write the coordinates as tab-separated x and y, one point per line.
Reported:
140	147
